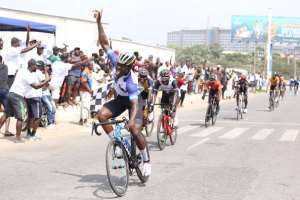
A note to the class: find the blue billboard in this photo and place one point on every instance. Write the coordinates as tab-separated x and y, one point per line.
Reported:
255	28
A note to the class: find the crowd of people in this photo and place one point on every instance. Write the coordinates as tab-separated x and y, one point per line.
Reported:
73	74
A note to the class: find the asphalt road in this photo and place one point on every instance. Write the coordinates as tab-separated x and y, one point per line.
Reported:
256	158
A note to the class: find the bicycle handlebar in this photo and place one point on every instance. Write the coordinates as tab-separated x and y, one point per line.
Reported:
109	122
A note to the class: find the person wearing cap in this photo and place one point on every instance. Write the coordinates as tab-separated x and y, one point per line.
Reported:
12	57
39	55
23	83
33	99
55	56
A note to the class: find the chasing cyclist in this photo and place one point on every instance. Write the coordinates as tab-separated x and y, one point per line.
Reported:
144	98
282	86
273	85
126	94
170	92
242	86
214	88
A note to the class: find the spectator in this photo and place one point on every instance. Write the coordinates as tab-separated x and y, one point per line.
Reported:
48	101
73	80
55	56
24	81
33	99
85	93
4	91
39	55
182	86
156	67
12	58
1	47
60	70
190	77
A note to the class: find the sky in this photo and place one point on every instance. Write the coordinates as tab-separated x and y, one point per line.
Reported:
149	21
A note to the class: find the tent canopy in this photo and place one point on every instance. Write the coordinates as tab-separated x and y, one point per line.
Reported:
9	24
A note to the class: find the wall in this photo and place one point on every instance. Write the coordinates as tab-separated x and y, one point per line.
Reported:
76	32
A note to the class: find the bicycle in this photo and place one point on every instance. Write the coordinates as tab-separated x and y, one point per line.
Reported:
121	154
276	98
165	127
272	100
148	123
296	89
240	106
211	112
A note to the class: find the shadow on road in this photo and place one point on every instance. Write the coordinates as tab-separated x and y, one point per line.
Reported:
201	125
100	182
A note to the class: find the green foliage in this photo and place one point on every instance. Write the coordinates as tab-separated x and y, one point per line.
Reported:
213	55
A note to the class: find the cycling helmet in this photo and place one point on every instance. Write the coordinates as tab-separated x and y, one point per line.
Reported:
243	77
143	72
212	77
165	75
126	59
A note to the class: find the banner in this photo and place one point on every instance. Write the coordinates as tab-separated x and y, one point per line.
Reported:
255	28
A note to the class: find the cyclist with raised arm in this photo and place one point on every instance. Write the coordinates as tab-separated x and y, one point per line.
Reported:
214	88
242	86
170	92
126	94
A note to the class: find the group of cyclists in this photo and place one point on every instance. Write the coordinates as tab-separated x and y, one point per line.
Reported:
135	90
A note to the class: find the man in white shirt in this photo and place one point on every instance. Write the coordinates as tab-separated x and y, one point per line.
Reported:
23	83
60	70
12	57
39	54
33	99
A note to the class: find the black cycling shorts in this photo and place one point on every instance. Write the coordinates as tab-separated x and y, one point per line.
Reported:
118	105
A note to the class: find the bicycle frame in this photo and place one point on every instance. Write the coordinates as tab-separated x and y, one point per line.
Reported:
167	116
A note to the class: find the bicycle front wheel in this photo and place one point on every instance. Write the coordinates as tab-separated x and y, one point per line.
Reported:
117	168
161	135
207	116
173	136
214	115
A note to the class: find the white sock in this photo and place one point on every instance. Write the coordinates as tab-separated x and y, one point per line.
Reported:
111	135
145	155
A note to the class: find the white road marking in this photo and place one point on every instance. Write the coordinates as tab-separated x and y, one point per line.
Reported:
185	129
234	133
207	132
262	134
247	122
289	135
198	143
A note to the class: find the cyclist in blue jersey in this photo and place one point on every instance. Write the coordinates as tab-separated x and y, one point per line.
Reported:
126	93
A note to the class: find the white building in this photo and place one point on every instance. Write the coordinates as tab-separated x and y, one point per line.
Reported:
76	32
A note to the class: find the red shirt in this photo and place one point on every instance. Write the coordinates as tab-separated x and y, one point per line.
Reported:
214	85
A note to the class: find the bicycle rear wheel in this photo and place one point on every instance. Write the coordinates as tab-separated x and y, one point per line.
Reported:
117	168
161	135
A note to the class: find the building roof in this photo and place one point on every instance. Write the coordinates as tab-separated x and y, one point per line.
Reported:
48	15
